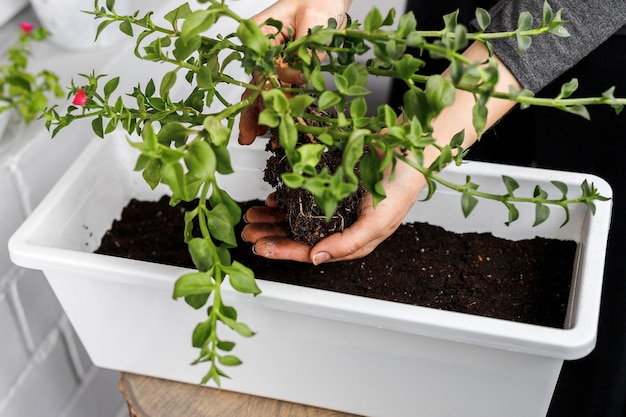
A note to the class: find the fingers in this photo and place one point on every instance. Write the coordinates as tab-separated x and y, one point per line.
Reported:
289	75
355	242
270	215
269	234
249	128
283	248
264	222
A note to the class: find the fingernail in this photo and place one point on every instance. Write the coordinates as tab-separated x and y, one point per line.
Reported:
254	250
244	217
320	258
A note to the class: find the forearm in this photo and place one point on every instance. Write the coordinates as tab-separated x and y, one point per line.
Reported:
458	116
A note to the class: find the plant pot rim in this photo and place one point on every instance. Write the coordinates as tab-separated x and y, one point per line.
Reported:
571	343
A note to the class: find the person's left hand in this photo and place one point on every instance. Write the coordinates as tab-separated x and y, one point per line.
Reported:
268	233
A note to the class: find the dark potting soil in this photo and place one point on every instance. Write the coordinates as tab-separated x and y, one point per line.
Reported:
526	281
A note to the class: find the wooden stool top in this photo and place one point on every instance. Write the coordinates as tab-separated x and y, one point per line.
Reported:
153	397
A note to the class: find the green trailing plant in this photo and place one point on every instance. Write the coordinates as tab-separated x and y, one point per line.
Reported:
184	143
20	88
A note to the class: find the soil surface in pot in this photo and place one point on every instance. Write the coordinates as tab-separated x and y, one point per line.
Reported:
526	281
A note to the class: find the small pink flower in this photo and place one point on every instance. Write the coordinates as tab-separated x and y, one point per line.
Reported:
80	99
26	27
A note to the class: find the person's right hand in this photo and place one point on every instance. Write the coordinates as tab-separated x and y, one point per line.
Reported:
297	17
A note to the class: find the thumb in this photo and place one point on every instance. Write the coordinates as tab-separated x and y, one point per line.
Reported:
353	243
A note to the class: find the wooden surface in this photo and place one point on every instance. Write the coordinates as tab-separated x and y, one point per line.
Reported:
153	397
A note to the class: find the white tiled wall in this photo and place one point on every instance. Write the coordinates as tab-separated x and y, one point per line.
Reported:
44	371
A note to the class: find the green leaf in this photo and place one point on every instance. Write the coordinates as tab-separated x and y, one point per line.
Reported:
276	100
482	18
292	181
568	88
102	26
328	99
220	224
450	21
356	74
389	19
181	12
201	334
173	175
468	203
547	14
542	212
150	89
229	360
97	126
225	345
310	153
299	104
197	22
372	177
358	108
152	173
205	78
479	117
538	192
415	39
511	184
373	20
193	283
167	83
407	66
578	110
126	28
460	37
269	118
523	42
319	36
201	251
394	50
242	278
562	187
513	213
317	79
524	22
173	132
440	93
220	196
407	24
201	161
111	85
223	159
251	36
342	83
240	328
353	151
387	115
288	135
219	134
197	301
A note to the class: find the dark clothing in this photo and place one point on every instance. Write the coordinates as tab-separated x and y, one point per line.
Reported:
594	386
590	23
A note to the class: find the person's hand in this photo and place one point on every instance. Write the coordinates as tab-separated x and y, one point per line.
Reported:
297	17
268	233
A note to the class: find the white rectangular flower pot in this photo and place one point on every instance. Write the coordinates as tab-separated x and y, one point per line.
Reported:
359	355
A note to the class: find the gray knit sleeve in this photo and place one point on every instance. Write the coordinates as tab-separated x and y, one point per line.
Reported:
589	22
